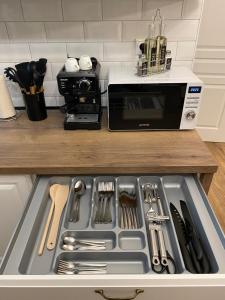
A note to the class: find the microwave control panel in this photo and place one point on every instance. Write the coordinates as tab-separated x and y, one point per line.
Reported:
191	106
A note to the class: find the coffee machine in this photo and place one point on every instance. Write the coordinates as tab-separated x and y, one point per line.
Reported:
82	97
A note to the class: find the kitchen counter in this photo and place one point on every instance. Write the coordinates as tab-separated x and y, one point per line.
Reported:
45	148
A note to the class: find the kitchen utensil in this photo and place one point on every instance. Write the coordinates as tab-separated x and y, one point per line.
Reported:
129	216
71	267
41	68
52	192
73	241
79	190
103	205
61	197
155	217
181	235
85	63
198	253
67	247
11	73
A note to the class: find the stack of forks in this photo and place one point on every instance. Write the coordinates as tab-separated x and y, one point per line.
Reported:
71	267
103	213
128	210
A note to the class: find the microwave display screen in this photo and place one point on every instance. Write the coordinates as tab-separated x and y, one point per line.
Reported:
146	106
194	89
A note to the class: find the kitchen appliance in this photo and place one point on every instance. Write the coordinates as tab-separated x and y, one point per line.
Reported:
167	101
6	106
82	97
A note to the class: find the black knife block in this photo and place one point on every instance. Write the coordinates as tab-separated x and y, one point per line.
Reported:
35	106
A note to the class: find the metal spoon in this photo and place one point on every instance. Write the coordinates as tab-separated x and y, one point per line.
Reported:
73	241
79	190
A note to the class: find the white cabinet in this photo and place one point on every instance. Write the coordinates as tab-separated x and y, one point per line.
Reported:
14	192
209	65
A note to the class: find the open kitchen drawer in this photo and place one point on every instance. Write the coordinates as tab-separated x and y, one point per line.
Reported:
25	275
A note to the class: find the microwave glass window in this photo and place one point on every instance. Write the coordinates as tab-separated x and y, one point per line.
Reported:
146	106
143	107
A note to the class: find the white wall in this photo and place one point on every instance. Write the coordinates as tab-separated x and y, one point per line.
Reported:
30	29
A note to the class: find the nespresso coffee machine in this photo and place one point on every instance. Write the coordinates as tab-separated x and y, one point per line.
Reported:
82	97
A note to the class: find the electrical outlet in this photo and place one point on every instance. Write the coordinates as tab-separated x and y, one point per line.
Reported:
138	43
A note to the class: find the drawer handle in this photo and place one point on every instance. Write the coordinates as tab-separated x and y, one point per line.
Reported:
136	293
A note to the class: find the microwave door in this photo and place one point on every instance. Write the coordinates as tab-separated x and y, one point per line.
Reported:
157	108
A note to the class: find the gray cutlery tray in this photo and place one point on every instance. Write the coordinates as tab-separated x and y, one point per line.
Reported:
127	251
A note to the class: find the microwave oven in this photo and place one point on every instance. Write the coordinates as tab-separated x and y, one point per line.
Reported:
166	101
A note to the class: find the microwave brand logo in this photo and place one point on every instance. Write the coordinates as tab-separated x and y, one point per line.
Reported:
144	125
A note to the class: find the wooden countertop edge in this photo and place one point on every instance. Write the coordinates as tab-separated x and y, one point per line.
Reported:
106	170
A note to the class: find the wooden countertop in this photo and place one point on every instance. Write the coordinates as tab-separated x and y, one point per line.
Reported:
45	148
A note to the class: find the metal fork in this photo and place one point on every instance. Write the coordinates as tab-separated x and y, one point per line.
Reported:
103	211
128	205
72	267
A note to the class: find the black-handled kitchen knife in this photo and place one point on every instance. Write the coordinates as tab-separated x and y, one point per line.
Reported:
181	235
190	229
194	240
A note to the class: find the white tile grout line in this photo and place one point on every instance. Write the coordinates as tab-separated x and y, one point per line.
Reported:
22	10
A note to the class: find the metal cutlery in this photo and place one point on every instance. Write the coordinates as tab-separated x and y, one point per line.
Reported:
79	190
128	207
155	217
70	244
103	213
72	267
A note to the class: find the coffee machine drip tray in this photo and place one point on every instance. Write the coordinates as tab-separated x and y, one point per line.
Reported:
82	121
82	118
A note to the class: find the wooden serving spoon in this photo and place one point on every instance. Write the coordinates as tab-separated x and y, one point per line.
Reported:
61	197
52	191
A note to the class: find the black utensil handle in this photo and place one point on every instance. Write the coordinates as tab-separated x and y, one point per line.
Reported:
187	259
194	258
206	268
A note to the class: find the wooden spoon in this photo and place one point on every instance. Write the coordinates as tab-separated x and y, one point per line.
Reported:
52	191
61	197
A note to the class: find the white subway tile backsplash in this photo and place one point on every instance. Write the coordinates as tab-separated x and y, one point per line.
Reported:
14	52
103	31
48	75
122	9
56	67
105	66
81	10
3	33
172	46
192	9
181	30
186	63
54	52
10	10
119	51
26	31
170	9
51	88
185	50
42	10
91	49
50	101
18	101
64	31
133	30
